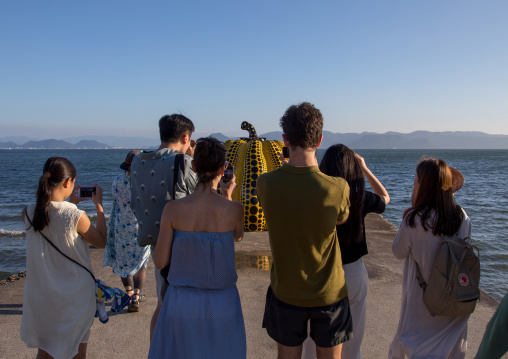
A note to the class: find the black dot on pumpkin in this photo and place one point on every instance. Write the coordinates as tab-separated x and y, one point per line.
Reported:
252	227
252	157
253	219
253	184
254	200
253	192
254	163
255	169
255	176
253	210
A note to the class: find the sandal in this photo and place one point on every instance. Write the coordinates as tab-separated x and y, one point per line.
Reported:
134	304
129	291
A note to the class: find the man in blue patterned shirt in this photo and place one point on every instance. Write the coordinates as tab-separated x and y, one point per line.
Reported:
152	178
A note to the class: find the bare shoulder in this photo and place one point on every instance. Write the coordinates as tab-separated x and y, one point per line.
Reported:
83	223
171	205
231	205
229	209
237	205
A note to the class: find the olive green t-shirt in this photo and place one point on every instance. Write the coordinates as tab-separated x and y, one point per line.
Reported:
302	206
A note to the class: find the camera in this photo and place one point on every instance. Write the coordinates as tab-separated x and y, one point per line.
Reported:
86	191
228	174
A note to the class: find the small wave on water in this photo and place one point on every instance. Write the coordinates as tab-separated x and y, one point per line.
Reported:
11	233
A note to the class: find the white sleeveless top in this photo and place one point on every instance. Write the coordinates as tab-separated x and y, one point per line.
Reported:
59	298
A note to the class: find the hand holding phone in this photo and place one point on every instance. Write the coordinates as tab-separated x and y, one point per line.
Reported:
227	183
97	196
86	191
228	173
192	147
285	152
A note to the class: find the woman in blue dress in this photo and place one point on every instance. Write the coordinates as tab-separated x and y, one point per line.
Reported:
122	252
201	316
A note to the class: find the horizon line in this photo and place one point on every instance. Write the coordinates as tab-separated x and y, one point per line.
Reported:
208	133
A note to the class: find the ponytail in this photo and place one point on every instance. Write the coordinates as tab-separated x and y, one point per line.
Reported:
56	170
41	218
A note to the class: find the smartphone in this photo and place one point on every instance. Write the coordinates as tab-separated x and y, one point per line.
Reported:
285	152
86	191
228	173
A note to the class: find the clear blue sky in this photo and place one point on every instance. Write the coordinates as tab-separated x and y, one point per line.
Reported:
115	67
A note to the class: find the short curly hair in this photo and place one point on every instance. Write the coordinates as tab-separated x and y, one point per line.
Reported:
303	125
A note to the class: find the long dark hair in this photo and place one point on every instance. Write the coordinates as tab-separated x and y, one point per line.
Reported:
56	170
340	161
434	201
209	156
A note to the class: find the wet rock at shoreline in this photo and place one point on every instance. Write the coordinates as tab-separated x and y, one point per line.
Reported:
13	277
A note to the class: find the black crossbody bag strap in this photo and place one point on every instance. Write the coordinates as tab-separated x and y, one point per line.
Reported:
62	253
179	166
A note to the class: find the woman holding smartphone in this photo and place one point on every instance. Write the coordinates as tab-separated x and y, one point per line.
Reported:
59	297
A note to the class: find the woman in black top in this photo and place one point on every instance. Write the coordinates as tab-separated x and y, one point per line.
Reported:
341	161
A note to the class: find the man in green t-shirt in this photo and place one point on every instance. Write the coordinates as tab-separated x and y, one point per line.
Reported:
302	206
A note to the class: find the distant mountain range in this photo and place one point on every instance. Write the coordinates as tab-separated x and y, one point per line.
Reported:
364	140
414	140
55	144
79	142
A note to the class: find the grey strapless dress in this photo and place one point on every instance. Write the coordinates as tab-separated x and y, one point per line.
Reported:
201	316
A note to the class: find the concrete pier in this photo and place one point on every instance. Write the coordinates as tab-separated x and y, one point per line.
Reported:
126	335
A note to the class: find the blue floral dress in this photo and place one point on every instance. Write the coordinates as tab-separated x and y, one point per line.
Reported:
122	252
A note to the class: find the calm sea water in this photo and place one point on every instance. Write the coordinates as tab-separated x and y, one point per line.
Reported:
484	196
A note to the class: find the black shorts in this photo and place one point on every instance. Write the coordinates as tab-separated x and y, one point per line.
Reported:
330	325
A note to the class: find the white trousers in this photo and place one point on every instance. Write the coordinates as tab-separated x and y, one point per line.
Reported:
357	281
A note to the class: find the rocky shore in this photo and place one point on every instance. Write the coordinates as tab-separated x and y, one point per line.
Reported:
126	334
13	278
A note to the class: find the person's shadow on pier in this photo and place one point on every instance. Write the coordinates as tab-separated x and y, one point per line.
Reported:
10	309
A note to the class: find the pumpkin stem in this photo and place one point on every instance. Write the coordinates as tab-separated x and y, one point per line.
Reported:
248	127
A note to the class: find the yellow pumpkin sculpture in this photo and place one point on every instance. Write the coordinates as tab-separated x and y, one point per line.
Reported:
251	157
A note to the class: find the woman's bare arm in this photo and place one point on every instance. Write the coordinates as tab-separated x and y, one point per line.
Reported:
162	252
238	234
377	186
95	236
90	233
